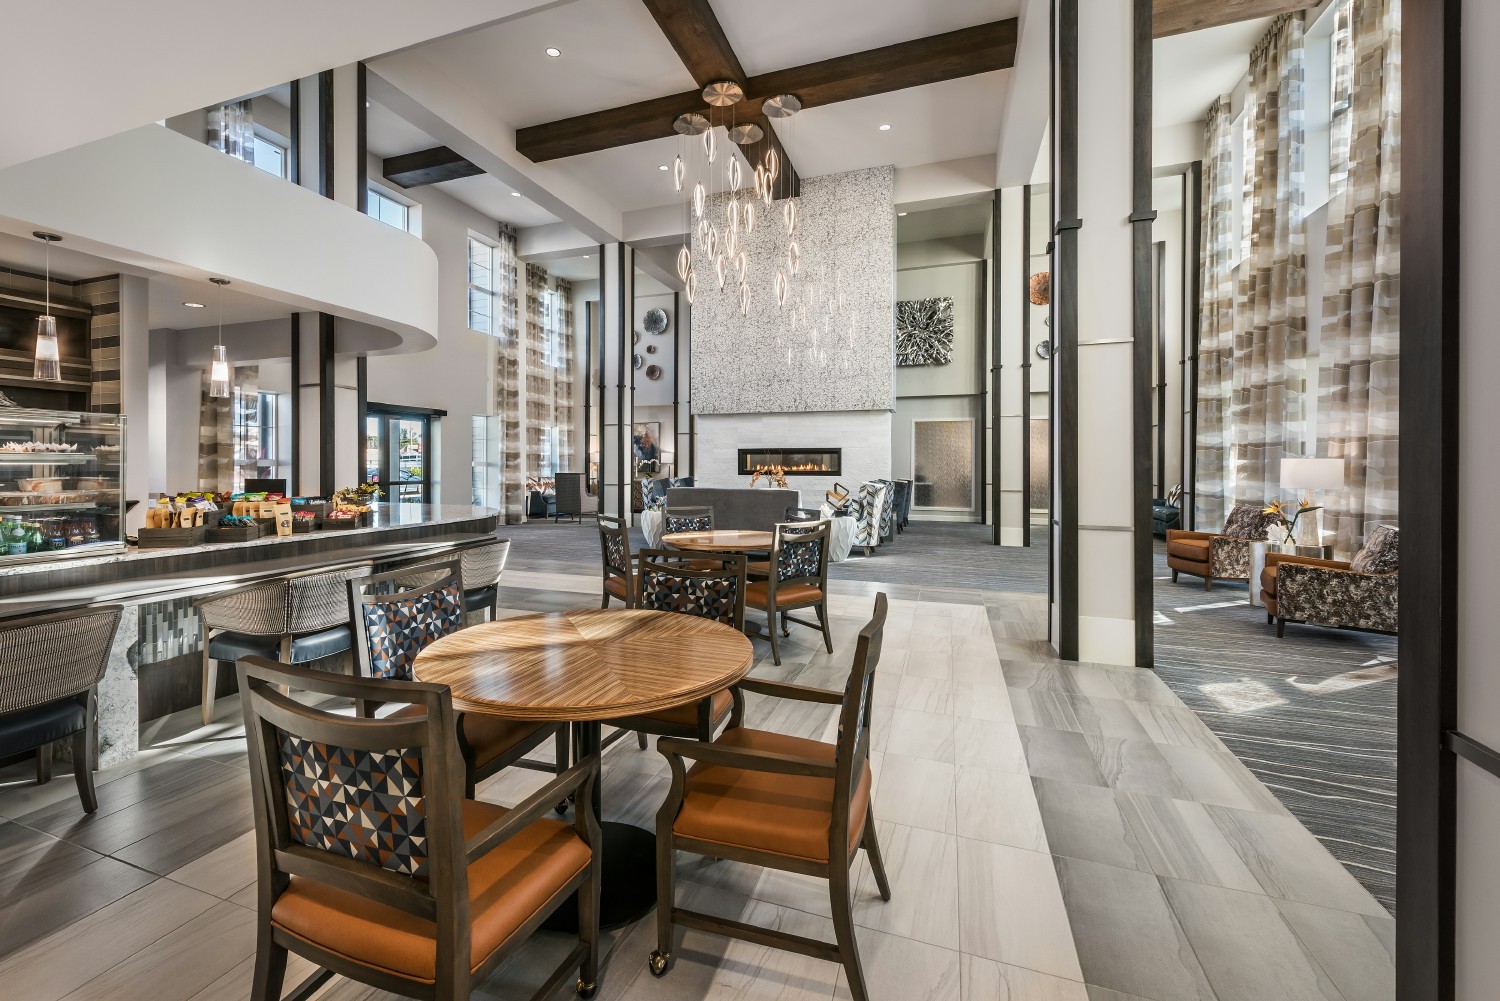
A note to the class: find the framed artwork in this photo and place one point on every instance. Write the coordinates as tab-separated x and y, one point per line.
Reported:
924	332
645	447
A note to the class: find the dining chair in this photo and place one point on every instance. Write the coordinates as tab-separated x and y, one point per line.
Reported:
717	594
690	519
480	568
785	803
50	669
569	497
393	621
614	554
299	618
371	865
797	519
799	556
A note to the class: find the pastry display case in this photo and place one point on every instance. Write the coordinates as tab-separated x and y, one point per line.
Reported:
61	484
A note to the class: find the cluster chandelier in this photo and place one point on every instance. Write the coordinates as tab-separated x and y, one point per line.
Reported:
720	240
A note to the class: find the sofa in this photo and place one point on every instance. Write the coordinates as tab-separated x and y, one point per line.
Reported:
747	509
1358	594
1166	512
1219	555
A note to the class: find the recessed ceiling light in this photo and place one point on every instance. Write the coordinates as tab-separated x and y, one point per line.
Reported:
885	128
901	213
515	194
663	167
193	305
553	51
585	257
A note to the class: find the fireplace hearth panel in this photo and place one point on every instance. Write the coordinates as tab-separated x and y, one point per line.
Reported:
792	461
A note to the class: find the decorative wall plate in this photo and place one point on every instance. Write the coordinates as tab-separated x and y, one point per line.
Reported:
924	332
655	321
1044	350
653	372
638	361
651	349
635	337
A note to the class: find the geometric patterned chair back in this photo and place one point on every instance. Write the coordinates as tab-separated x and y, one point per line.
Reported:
800	550
799	514
47	658
614	546
717	594
872	499
331	789
688	519
394	627
888	508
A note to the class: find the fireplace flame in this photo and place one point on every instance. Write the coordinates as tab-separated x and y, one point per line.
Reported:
805	467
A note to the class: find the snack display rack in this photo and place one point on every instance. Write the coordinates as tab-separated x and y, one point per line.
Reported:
61	484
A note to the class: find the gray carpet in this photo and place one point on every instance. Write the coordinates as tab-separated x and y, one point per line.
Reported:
1313	715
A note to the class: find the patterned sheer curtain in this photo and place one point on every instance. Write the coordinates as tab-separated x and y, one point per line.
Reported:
508	377
1357	383
1267	416
1216	321
563	346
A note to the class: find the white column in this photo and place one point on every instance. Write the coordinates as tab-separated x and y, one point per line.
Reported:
1011	408
616	305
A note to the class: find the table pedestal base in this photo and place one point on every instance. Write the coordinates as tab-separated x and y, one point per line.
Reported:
628	891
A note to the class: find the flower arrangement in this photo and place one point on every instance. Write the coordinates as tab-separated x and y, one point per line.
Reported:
776	475
1289	524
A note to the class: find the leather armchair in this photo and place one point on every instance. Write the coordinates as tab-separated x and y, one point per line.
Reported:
1218	555
1358	594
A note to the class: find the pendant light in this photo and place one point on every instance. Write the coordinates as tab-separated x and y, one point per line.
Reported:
218	372
47	366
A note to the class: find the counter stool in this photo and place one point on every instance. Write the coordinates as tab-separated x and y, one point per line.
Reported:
294	620
50	669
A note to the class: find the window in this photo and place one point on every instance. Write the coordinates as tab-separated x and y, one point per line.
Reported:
1340	110
482	286
270	153
257	444
389	211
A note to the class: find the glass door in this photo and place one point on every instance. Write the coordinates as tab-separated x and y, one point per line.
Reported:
397	453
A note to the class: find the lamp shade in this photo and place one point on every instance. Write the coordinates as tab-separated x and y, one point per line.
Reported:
1312	474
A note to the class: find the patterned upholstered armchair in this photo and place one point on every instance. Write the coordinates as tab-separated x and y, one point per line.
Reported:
1223	555
1360	594
903	504
888	511
870	503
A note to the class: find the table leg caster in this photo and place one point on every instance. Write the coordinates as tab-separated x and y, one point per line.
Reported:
659	963
586	990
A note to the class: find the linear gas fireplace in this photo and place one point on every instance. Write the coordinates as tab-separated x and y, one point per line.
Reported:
792	461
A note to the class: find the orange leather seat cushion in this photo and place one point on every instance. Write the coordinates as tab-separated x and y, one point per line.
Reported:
616	585
758	593
687	715
506	887
762	569
489	736
788	815
1189	549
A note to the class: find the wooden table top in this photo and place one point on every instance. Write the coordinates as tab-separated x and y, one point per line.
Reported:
592	664
722	541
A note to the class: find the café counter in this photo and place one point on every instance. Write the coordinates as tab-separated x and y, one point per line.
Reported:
155	659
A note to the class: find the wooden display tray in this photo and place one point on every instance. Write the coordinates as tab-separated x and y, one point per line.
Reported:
170	538
343	524
234	533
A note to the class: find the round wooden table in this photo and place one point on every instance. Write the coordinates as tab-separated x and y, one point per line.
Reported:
719	541
583	667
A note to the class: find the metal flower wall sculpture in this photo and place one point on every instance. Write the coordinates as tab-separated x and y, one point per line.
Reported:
924	332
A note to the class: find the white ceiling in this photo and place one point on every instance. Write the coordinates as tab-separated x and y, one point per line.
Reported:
79	71
957	217
1194	68
573	269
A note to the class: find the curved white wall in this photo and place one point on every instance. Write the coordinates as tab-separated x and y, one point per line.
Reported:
156	199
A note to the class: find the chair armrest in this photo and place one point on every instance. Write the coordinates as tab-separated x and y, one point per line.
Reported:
1176	534
676	749
1279	559
533	808
786	690
1337	597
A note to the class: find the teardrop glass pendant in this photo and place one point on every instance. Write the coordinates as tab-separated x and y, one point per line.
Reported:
789	215
684	262
761	179
700	198
710	145
732	244
734	174
781	287
740	266
749	217
712	243
744	300
793	257
732	213
691	286
719	271
679	173
773	164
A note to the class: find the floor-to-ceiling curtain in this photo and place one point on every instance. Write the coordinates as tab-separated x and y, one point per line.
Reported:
508	377
1359	350
1267	417
1216	320
562	372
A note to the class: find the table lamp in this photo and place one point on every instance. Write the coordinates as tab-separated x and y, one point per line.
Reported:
1306	477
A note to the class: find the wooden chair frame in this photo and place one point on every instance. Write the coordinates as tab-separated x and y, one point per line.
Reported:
448	573
444	897
610	525
856	704
797	532
659	561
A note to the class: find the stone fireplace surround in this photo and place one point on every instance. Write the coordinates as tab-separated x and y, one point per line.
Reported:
863	436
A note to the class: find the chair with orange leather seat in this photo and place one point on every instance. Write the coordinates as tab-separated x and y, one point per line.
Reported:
1219	555
717	594
372	865
799	554
395	616
614	555
781	802
1360	594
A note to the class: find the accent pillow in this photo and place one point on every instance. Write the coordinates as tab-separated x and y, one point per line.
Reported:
1381	553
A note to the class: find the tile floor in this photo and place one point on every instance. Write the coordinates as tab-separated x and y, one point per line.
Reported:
1053	832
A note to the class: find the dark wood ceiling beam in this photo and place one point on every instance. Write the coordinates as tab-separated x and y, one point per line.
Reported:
1175	17
695	33
948	56
428	166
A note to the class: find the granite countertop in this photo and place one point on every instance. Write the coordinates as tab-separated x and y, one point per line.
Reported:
387	516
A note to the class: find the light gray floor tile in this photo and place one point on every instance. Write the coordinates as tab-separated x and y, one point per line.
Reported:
1358	951
1128	939
1247	950
1085	822
986	744
916	793
1290	863
900	969
920	735
925	694
990	702
999	807
1012	911
1175	725
224	871
181	962
1105	994
1142	685
1181	840
1079	713
923	870
987	980
1135	766
1060	754
1220	779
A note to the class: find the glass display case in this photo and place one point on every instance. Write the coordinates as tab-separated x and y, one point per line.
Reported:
61	484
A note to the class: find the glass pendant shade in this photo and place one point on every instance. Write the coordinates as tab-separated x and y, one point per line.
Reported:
789	216
734	174
679	173
703	230
691	286
732	214
761	180
793	257
749	217
732	244
684	262
780	288
773	164
700	198
710	145
719	271
218	374
744	300
46	365
712	244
